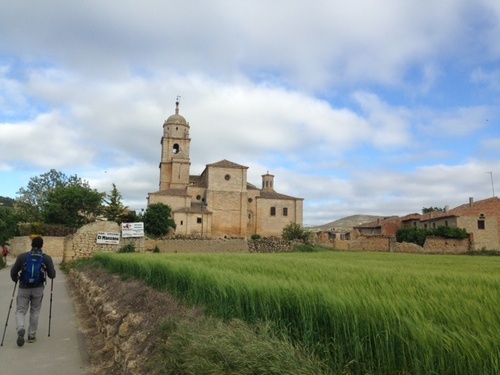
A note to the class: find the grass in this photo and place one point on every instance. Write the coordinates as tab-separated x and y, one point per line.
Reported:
362	313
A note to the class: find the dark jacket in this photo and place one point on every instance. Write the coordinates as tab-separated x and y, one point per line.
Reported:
21	260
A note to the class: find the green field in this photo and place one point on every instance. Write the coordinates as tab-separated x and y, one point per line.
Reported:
363	313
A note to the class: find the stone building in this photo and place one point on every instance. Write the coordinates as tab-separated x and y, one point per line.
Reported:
481	219
220	202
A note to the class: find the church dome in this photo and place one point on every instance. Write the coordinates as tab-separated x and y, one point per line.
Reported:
176	118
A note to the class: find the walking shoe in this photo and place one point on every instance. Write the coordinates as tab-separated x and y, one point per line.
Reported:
31	338
20	337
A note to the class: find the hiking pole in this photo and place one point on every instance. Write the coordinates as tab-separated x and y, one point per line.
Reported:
50	309
8	314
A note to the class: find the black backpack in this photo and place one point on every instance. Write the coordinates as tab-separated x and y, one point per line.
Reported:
33	272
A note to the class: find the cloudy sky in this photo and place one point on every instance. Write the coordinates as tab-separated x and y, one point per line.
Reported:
359	107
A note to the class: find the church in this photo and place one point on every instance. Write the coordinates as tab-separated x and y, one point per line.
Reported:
219	203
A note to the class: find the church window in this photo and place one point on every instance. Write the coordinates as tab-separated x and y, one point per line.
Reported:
250	200
227	177
176	148
285	211
273	211
481	224
198	220
198	197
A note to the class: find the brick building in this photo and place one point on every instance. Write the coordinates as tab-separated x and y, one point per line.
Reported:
220	202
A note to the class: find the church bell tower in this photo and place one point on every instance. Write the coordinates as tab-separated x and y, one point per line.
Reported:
175	163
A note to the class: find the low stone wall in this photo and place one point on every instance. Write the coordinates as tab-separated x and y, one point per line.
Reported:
53	246
446	245
234	245
270	245
375	243
121	330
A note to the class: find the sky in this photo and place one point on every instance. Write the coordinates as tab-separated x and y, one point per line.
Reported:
358	106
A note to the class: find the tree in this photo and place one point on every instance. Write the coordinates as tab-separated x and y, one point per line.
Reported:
33	198
8	224
72	206
114	210
294	231
431	209
157	219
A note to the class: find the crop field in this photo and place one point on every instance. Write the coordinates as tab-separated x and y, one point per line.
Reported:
362	313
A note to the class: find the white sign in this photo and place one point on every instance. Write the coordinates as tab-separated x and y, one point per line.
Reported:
132	230
110	238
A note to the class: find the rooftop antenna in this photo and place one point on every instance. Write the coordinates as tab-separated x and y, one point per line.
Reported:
492	186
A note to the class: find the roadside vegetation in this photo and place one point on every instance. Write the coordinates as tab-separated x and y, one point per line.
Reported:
358	313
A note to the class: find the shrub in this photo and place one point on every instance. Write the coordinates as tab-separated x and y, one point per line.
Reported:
256	237
418	235
127	249
294	231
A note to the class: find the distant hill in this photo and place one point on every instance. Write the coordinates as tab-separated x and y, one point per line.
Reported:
6	202
346	222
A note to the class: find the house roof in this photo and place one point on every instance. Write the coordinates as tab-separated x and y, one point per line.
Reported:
471	208
379	222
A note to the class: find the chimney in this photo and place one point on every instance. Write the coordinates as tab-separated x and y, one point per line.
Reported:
446	208
471	201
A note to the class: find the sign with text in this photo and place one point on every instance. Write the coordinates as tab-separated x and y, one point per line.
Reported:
109	238
132	230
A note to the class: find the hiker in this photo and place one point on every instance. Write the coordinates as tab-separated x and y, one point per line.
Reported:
5	251
30	270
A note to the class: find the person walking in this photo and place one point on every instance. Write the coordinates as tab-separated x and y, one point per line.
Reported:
31	287
5	252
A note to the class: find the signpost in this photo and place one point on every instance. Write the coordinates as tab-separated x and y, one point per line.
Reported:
108	238
132	230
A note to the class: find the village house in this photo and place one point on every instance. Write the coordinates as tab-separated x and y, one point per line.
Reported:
481	219
387	226
220	202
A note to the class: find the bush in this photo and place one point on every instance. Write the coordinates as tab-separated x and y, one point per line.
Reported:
419	235
127	249
256	237
294	231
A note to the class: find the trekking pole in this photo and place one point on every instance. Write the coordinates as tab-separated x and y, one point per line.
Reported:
8	314
50	309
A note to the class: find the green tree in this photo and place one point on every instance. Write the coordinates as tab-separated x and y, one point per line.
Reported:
431	209
157	219
294	231
114	210
32	199
72	206
8	224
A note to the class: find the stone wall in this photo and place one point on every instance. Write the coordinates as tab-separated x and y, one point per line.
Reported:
122	331
270	245
53	246
446	245
83	243
237	245
378	243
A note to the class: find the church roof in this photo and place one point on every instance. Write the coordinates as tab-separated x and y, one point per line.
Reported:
194	208
226	164
274	195
172	192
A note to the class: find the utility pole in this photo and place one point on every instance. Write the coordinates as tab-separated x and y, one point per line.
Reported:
492	186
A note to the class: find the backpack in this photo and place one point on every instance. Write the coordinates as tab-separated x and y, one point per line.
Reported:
33	272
